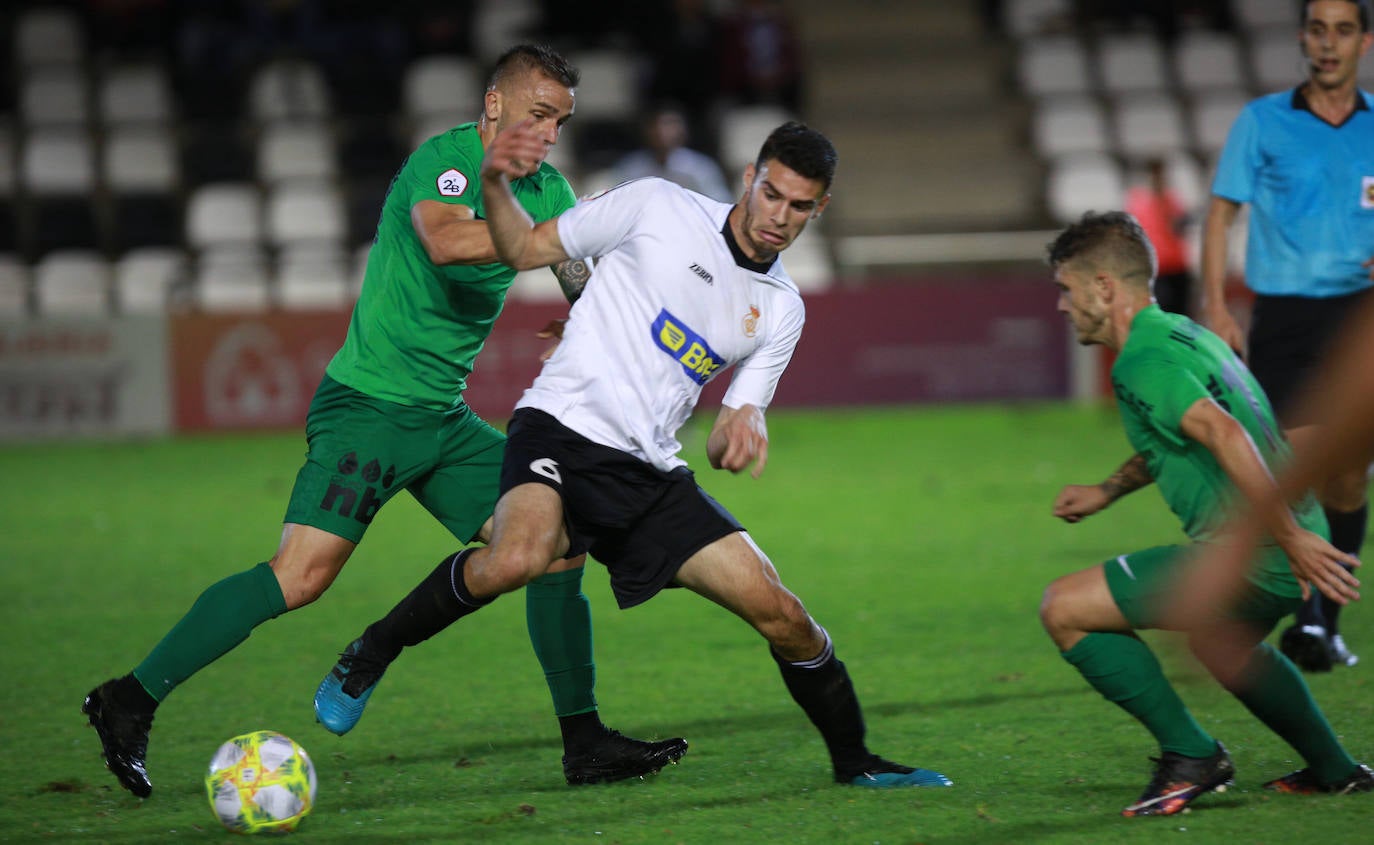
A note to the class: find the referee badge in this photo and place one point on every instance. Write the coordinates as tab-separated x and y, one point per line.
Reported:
1367	192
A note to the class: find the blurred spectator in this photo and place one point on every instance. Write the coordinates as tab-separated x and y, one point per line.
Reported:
761	57
1165	220
686	61
438	26
665	154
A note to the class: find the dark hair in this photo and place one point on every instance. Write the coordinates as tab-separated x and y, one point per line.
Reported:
1361	6
535	57
801	148
1112	240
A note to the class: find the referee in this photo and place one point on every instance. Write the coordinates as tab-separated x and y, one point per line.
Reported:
1303	160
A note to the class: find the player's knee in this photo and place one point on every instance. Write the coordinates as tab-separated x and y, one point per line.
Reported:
1052	606
501	569
1346	492
302	582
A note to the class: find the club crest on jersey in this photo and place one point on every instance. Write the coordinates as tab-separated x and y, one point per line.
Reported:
688	348
751	321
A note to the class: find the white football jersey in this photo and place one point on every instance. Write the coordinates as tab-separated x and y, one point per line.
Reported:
671	304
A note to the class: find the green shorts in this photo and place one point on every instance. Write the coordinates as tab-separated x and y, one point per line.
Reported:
362	451
1140	581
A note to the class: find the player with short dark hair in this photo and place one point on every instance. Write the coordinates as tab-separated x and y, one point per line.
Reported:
685	288
1205	434
389	416
1303	160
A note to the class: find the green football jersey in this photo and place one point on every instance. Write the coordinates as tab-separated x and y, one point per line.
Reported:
417	327
1168	363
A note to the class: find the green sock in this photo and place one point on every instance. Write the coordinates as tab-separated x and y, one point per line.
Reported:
1124	670
220	619
1278	696
560	624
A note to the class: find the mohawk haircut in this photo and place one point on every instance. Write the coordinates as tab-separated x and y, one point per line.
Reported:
533	57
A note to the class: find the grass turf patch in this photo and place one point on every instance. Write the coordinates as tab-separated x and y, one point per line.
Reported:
921	538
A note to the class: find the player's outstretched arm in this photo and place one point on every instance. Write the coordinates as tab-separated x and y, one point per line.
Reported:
512	154
1314	560
1077	501
738	437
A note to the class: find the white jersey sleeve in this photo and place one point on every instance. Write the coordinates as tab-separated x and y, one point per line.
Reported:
756	377
600	223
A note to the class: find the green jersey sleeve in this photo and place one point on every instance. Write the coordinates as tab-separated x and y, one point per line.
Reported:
1160	391
443	172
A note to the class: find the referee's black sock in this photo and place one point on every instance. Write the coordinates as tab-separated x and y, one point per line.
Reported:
1347	534
823	689
435	603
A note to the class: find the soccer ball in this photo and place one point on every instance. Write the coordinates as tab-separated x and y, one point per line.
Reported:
261	782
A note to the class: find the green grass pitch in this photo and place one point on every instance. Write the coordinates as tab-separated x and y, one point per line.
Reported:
920	537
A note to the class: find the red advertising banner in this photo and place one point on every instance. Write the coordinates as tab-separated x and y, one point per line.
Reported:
249	371
945	340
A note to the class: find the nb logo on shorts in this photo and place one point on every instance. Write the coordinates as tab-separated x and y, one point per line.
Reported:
688	348
548	468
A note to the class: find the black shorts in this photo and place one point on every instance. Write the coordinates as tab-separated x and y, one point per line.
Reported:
1289	336
640	522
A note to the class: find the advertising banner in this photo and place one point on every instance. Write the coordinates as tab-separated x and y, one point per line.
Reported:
83	377
250	371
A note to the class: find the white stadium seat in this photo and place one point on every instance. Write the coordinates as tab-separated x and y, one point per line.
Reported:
1204	60
609	84
304	210
72	282
1083	182
288	89
58	161
441	84
296	150
14	287
1025	18
135	93
1267	14
48	36
1149	125
743	130
54	95
145	279
313	278
1131	62
1070	123
1276	60
231	279
1055	64
224	213
140	158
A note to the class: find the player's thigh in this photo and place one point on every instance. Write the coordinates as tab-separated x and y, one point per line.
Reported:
361	451
734	573
1081	601
461	491
307	562
1142	583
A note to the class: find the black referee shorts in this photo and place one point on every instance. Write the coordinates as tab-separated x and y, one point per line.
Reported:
1289	337
640	522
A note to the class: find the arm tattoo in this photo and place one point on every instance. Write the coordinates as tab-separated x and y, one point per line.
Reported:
572	277
1130	477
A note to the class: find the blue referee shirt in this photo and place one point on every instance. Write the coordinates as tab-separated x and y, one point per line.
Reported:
1310	186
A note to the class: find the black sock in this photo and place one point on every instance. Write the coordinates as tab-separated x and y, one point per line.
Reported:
129	694
823	689
435	603
1347	534
581	730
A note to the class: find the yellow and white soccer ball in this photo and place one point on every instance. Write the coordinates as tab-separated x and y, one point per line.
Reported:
261	782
